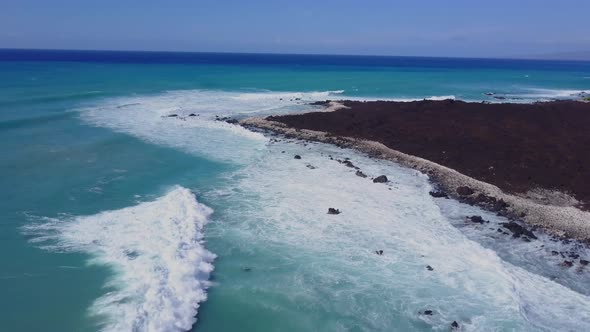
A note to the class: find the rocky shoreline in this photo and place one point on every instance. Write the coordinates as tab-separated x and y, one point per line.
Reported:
562	220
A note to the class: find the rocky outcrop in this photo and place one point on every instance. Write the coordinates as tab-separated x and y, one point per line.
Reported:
518	230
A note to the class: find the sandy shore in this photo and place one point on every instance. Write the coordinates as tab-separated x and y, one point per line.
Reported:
552	210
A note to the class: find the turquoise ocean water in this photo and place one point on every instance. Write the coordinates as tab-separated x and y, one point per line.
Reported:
116	217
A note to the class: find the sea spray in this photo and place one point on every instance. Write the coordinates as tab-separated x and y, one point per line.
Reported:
156	250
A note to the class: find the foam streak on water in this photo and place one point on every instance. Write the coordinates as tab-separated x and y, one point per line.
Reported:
157	252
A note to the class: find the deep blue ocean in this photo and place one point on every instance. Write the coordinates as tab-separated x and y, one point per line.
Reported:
115	216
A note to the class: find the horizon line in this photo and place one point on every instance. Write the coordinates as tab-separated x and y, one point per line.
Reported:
524	58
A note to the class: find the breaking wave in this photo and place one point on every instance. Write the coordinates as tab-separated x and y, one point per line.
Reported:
157	252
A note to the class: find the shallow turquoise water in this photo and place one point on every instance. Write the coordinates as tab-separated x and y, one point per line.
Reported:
82	137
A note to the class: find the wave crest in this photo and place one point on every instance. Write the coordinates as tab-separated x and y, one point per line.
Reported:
157	252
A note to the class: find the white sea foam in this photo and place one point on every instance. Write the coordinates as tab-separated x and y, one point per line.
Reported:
157	252
543	94
339	272
146	117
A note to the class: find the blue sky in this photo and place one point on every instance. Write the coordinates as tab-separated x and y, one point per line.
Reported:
419	27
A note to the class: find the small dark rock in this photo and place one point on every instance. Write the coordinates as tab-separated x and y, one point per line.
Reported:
297	156
477	219
465	191
310	166
361	174
428	312
429	268
567	264
192	114
584	262
454	325
573	255
438	194
348	163
172	115
333	211
379	252
246	269
380	179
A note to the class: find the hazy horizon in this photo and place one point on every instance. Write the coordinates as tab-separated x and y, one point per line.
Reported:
459	28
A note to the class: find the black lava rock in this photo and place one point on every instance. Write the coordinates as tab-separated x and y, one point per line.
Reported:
438	194
380	179
348	163
333	211
477	219
518	230
567	264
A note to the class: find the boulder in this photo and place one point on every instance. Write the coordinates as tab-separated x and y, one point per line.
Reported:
380	179
297	156
428	312
477	219
333	211
172	115
584	262
454	325
192	114
429	268
379	252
